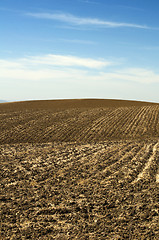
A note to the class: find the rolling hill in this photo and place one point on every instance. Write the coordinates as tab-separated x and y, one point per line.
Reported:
79	169
81	121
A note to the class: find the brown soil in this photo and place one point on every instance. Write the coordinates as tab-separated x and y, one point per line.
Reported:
83	121
79	169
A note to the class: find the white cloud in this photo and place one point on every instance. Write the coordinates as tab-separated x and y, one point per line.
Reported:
71	19
67	61
139	75
55	61
78	41
66	69
6	64
49	67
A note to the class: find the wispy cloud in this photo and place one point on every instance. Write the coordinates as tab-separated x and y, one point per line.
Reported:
49	67
78	41
74	20
66	61
66	69
139	75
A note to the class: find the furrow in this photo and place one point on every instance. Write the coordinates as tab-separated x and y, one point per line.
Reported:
124	157
72	132
127	120
157	176
131	169
137	126
145	122
145	172
92	129
133	122
154	122
114	123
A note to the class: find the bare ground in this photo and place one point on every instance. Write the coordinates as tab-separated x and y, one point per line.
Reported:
71	191
79	169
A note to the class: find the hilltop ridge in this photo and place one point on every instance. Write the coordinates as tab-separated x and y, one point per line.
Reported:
79	169
80	120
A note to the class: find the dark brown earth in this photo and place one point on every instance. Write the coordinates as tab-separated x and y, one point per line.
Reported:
79	169
82	121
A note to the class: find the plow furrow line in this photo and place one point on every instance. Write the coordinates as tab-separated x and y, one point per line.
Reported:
145	171
137	126
92	129
145	122
107	118
115	168
131	126
154	121
131	169
108	160
54	129
72	130
107	155
112	129
100	127
157	176
18	130
128	119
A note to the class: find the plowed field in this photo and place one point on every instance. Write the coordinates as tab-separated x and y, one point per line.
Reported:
79	170
82	121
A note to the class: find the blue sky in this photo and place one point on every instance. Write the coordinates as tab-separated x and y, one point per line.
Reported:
79	49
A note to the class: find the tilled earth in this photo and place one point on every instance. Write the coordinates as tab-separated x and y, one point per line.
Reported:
87	121
107	190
